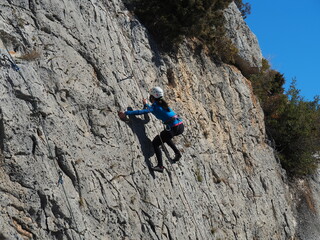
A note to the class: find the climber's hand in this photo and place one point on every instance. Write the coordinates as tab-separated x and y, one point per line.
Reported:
144	101
122	115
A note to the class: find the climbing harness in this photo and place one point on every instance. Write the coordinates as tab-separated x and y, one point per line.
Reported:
171	120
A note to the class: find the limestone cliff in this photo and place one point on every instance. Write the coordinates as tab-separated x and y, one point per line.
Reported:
71	170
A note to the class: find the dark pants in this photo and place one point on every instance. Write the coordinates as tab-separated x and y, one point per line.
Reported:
166	137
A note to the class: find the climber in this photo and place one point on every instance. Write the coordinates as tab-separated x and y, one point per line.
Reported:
173	124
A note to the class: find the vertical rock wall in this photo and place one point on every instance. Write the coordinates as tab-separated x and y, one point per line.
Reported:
71	170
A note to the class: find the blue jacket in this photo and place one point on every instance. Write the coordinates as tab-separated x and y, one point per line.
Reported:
160	113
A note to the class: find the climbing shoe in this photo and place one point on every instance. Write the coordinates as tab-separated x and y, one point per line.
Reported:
176	158
158	168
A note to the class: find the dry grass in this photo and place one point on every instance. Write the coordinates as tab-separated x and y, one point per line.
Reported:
31	56
187	144
78	161
198	175
81	202
206	134
171	78
308	196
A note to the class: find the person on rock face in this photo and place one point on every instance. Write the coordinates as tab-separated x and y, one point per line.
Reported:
173	124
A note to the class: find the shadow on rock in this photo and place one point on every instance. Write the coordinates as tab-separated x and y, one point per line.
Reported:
137	126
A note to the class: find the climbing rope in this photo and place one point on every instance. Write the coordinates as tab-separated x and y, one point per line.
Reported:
60	174
186	203
10	60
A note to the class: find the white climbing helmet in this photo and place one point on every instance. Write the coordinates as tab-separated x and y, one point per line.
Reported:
156	92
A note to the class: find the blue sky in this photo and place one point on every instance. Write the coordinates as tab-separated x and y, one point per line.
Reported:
288	32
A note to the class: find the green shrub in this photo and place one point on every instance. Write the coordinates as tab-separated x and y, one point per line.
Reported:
292	122
245	8
171	20
297	133
268	86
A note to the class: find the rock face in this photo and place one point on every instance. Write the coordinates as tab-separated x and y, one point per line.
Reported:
71	170
249	56
308	206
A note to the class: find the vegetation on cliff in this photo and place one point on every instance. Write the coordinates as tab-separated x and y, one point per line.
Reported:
171	20
292	122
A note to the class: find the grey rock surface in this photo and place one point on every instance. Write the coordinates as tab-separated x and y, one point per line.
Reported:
307	196
70	169
249	57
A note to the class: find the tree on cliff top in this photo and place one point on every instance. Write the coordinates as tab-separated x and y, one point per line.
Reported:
292	122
